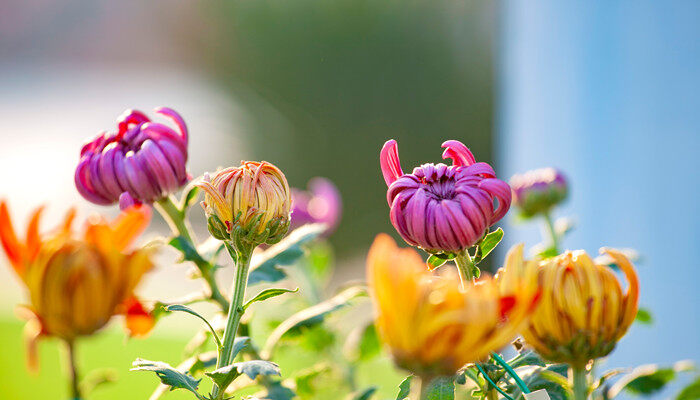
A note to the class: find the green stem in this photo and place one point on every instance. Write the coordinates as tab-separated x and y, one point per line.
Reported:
175	217
235	312
552	232
419	387
466	267
579	385
73	370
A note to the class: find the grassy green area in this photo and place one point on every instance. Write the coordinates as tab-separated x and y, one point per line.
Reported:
109	349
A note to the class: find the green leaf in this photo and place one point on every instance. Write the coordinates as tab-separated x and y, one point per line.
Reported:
225	375
435	261
189	253
404	388
544	378
266	294
364	394
169	376
690	392
468	372
549	252
644	316
648	379
311	316
442	388
487	244
180	307
526	358
265	266
276	391
189	197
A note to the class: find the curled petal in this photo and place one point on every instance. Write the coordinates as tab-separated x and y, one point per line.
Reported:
389	161
502	192
458	152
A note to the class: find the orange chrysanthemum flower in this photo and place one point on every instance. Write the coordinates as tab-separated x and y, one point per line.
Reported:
583	311
77	283
432	326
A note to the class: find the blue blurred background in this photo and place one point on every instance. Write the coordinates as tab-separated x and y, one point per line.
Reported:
606	91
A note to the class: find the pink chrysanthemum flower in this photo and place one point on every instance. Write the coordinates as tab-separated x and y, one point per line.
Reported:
536	192
142	162
443	208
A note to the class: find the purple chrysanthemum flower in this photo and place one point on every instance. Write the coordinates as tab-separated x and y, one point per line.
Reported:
443	208
141	162
320	204
539	190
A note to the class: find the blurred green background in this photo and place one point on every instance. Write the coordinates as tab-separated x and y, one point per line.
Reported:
314	86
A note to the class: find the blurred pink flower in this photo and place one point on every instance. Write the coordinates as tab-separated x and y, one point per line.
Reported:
320	204
539	190
443	208
141	162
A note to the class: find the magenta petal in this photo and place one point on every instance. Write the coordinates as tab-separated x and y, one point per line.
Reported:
159	166
458	152
502	192
169	112
389	162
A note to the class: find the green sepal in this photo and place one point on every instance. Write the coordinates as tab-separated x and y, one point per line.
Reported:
435	261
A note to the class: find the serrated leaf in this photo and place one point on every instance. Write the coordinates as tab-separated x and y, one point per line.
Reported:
404	388
311	316
525	358
644	316
434	262
364	394
169	376
648	379
225	375
690	392
182	308
487	244
266	294
442	388
265	266
189	253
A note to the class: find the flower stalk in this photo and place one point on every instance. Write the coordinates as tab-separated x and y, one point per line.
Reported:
552	231
466	268
175	217
73	375
242	258
578	384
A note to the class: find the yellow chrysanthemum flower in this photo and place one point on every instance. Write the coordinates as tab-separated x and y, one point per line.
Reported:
252	201
77	283
583	311
433	327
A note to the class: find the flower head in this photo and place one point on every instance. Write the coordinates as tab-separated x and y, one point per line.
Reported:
443	208
320	204
583	311
142	162
432	326
537	191
77	283
250	203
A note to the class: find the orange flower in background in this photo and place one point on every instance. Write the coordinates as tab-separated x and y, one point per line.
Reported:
433	327
77	283
583	311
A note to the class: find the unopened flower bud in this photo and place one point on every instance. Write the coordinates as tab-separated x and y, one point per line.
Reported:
536	192
249	204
